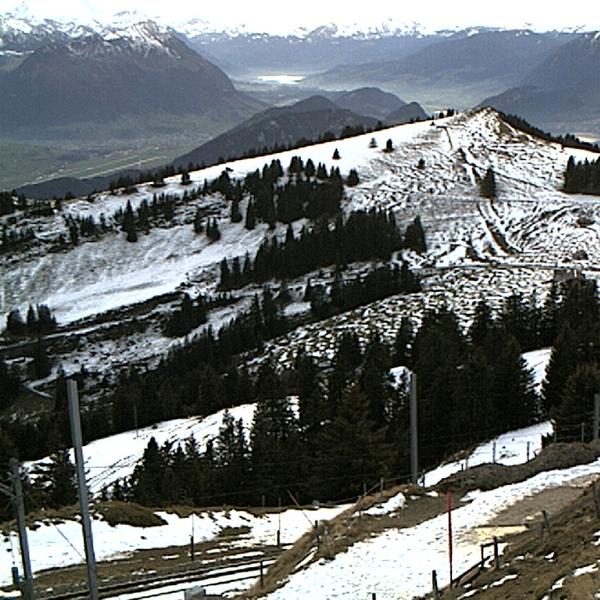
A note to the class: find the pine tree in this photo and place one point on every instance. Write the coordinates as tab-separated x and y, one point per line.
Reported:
250	222
375	382
488	185
346	361
349	453
414	237
58	480
231	456
198	222
575	413
352	180
236	215
274	440
128	225
212	231
481	325
513	392
437	353
147	477
15	325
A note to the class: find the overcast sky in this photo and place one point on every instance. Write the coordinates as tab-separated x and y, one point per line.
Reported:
285	17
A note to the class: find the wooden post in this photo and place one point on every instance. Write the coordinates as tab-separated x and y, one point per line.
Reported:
434	583
279	526
496	553
596	416
528	444
482	547
449	501
317	535
414	431
547	525
597	499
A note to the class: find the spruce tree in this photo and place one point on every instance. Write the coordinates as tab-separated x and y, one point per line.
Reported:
274	440
488	185
349	453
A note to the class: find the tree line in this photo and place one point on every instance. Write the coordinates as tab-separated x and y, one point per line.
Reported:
362	236
326	430
582	177
347	425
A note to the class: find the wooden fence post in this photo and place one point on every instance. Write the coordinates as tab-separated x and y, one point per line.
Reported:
547	525
434	583
496	553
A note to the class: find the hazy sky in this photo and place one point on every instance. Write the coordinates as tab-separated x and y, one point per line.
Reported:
284	17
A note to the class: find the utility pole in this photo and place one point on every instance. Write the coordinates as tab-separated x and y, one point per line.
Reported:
90	559
414	441
16	495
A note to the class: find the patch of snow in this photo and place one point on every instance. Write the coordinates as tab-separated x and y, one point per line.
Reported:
389	506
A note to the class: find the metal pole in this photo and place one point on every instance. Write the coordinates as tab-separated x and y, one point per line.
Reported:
82	488
414	442
27	585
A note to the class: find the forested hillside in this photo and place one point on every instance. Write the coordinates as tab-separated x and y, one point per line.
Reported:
310	283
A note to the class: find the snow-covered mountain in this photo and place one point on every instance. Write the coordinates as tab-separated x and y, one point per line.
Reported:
111	296
135	69
474	246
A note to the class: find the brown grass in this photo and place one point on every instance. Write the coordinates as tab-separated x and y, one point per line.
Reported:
128	513
338	534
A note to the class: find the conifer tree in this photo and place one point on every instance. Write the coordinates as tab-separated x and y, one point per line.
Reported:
128	225
349	453
58	480
488	184
414	237
231	457
148	475
574	415
274	440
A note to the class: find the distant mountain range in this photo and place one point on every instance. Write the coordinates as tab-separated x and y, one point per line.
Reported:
280	127
78	77
98	77
308	119
563	90
460	69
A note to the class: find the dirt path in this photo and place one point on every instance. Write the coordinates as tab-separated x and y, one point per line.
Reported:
529	510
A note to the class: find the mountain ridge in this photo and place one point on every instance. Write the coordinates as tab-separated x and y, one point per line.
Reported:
100	76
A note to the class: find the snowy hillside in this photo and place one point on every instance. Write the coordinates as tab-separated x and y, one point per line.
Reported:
398	561
475	247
